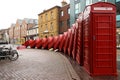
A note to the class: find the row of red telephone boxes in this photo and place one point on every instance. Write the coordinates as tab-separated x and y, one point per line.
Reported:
91	41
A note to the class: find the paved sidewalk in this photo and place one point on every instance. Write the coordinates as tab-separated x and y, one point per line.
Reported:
36	64
84	76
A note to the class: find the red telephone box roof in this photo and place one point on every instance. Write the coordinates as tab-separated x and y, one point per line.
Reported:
100	7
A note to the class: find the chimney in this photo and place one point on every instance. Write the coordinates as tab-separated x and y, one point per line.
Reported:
63	3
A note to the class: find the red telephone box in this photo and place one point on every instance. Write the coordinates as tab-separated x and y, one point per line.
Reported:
62	42
79	52
70	47
75	41
45	43
32	45
50	42
27	43
39	43
57	40
67	41
99	22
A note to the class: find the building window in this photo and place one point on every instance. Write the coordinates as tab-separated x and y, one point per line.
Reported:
118	17
68	10
52	15
41	19
46	17
46	36
41	28
118	21
46	27
51	34
61	23
36	30
88	2
117	0
103	0
77	8
51	27
62	13
68	22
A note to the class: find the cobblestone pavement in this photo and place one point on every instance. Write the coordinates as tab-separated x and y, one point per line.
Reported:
36	64
84	76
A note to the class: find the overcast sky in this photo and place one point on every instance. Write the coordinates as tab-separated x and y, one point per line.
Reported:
11	10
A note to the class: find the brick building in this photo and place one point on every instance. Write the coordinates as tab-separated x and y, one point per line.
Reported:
20	29
64	17
11	33
26	24
17	31
48	22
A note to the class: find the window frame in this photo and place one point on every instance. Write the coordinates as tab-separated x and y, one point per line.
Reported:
62	13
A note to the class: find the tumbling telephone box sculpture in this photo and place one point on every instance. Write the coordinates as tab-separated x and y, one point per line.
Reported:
99	39
62	42
70	46
65	48
79	51
57	40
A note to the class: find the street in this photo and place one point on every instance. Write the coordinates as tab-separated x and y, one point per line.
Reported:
36	64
